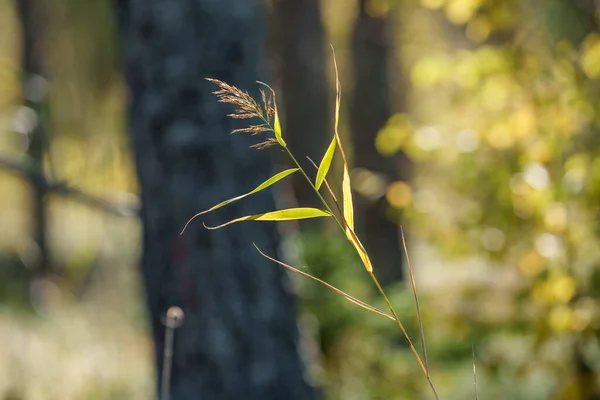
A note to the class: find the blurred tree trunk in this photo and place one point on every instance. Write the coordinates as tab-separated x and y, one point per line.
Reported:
34	95
370	108
240	338
298	38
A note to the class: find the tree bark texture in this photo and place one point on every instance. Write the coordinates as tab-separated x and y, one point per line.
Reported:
240	338
307	123
370	108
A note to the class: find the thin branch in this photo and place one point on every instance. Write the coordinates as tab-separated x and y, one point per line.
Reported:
174	320
27	169
475	374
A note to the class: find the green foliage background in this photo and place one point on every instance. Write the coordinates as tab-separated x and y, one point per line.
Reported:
504	131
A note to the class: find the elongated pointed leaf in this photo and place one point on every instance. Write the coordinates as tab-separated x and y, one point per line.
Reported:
346	188
352	237
352	299
289	214
364	257
277	128
347	199
325	164
275	178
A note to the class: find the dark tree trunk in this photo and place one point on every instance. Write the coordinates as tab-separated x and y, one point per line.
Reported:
34	95
298	39
370	108
240	338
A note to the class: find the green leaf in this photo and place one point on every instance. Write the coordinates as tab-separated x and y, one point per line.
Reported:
336	290
275	178
280	215
277	129
325	164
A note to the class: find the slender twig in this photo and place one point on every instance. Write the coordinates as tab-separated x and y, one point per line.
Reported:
174	320
414	290
475	374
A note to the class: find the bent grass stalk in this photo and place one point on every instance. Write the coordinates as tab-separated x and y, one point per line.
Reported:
248	108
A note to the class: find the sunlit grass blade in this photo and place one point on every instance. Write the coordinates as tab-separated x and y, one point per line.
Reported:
277	127
289	214
362	253
350	234
327	186
346	188
352	299
325	164
275	178
347	197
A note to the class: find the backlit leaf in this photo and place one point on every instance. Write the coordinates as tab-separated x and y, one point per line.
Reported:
275	178
277	128
280	215
325	164
347	199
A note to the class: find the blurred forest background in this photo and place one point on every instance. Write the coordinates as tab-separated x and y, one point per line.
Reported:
473	123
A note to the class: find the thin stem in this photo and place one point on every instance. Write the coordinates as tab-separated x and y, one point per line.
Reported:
418	308
174	319
391	308
165	389
312	185
412	347
474	374
424	369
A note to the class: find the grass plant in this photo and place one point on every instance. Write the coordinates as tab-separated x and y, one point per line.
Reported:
266	112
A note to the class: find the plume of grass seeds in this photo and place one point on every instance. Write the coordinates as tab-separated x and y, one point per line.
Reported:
248	108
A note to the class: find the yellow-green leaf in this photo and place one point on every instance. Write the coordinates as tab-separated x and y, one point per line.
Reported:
348	207
364	257
275	178
280	215
336	290
277	128
325	164
347	199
